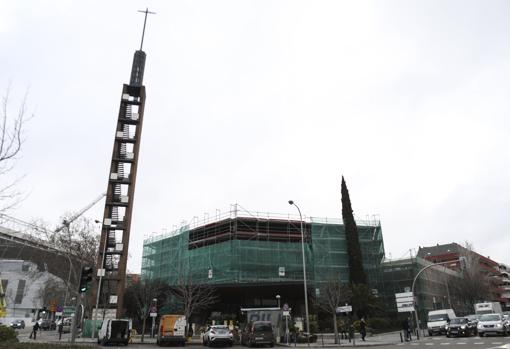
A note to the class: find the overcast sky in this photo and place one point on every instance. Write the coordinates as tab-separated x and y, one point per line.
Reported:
259	102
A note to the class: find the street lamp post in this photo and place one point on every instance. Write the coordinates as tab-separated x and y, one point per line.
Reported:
155	302
414	283
304	270
279	313
101	272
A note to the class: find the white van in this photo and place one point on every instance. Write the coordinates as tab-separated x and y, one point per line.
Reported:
438	320
114	331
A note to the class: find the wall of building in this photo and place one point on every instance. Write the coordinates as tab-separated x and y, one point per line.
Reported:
22	283
263	258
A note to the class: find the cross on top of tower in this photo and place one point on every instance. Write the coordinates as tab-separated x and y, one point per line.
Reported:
144	22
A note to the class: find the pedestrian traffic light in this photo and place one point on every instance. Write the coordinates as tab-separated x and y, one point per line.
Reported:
85	278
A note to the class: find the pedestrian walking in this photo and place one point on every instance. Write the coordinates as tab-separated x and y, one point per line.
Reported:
34	331
363	329
406	327
60	329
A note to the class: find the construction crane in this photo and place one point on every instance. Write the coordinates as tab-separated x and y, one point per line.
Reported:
68	221
65	222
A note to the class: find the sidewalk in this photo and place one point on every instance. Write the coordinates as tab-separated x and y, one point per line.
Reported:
326	340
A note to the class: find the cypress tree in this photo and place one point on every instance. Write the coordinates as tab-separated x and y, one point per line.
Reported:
356	273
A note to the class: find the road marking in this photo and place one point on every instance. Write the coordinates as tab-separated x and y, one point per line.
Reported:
445	343
415	344
497	343
479	343
429	343
461	343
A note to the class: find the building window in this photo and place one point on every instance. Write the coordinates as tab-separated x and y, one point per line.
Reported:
25	267
20	292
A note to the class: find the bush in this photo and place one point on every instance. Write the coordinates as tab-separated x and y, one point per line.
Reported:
7	334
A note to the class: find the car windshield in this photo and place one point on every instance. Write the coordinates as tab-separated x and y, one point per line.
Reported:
262	327
438	317
459	321
490	317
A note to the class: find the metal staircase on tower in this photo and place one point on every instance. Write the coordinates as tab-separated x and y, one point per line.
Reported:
114	244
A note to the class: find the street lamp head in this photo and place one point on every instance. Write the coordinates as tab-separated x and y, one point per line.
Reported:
291	202
154	299
278	296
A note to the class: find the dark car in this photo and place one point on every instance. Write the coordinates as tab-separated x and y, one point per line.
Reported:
461	326
18	324
258	332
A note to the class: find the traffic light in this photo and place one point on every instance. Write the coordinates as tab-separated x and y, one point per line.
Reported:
85	278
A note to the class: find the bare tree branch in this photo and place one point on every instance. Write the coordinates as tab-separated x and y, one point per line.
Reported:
12	126
332	295
193	297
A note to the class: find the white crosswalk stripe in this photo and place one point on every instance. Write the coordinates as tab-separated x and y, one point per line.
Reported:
429	343
445	343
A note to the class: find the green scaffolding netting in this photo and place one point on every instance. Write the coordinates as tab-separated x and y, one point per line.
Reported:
229	257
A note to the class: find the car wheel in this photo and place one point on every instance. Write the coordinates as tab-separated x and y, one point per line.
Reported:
448	335
250	344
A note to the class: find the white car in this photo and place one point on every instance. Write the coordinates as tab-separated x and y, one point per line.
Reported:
492	324
217	335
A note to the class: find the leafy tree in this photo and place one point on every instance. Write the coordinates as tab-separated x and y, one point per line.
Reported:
356	272
364	303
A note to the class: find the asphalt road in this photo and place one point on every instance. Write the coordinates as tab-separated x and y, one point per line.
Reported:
442	342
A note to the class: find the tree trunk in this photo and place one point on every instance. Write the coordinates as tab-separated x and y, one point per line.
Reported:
143	323
335	328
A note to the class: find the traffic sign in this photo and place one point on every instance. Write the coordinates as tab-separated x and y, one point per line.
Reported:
344	309
405	307
285	307
403	294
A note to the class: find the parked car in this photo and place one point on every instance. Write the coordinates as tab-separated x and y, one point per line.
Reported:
492	324
258	332
217	334
66	327
461	326
114	332
171	330
47	324
18	324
